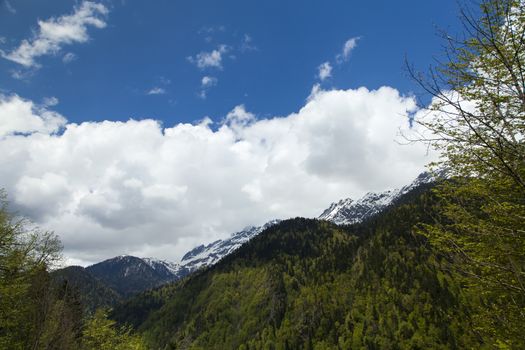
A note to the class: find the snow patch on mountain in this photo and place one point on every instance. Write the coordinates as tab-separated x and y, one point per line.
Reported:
348	211
210	254
163	265
344	212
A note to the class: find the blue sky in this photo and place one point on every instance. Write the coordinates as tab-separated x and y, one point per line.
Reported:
147	128
145	45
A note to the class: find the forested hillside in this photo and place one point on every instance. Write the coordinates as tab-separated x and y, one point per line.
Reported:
43	311
92	292
314	285
437	266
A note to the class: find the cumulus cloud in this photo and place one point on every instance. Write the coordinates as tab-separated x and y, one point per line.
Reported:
54	33
24	117
156	91
139	187
212	59
324	71
348	46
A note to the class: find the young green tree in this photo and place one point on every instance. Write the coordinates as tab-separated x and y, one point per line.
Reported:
477	121
35	313
477	118
101	333
25	254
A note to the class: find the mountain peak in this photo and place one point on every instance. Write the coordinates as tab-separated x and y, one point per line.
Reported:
348	211
207	255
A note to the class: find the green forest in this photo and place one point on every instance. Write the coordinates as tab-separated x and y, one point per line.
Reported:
309	284
442	268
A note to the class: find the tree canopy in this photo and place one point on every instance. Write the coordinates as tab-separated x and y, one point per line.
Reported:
36	313
477	122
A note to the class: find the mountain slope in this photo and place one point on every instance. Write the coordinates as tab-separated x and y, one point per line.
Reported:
210	254
305	283
348	211
128	275
344	212
93	292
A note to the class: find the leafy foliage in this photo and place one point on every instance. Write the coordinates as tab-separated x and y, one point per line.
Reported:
478	123
101	333
482	234
25	252
37	311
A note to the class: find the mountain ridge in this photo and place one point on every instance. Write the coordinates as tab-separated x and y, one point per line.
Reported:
127	275
348	211
312	284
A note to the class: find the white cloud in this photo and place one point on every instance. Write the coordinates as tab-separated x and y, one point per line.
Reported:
207	82
53	33
69	57
325	71
136	187
349	45
50	101
238	118
9	7
22	74
156	91
212	59
22	116
247	44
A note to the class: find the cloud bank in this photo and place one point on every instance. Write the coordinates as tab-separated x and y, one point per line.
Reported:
139	187
18	116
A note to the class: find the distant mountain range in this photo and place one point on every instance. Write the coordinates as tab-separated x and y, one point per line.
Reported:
114	280
312	284
123	276
344	212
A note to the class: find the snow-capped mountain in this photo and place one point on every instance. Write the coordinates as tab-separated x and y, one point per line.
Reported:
128	275
348	211
165	267
208	255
